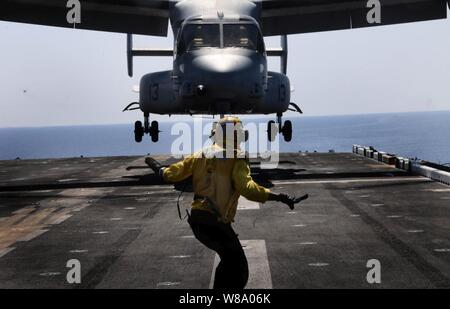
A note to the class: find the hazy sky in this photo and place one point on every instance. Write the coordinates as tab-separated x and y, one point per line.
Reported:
54	76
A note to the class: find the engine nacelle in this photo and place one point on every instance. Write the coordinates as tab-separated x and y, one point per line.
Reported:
277	96
156	94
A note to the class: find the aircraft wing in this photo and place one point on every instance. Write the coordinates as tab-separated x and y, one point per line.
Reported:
302	16
148	17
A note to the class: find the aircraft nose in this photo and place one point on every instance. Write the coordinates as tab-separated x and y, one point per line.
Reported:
216	65
223	76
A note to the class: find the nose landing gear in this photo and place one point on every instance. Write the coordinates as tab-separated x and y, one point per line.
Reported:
152	130
274	128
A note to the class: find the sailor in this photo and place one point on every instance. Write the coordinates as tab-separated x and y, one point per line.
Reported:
220	175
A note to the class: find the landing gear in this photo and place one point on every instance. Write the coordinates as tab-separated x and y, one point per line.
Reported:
287	131
274	128
152	130
138	131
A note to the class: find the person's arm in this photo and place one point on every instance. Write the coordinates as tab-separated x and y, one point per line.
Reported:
244	184
174	173
248	188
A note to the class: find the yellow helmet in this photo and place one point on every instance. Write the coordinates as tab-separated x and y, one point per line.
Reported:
230	119
229	131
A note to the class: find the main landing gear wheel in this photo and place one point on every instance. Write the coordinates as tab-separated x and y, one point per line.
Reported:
273	128
154	131
287	130
138	131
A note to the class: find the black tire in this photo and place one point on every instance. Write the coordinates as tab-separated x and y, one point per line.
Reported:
138	131
155	137
154	131
287	131
271	134
154	126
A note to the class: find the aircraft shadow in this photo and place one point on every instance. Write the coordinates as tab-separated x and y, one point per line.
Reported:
264	177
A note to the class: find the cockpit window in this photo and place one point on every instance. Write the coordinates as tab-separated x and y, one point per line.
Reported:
196	36
243	36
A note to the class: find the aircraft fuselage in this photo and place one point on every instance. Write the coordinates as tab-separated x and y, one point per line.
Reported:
219	64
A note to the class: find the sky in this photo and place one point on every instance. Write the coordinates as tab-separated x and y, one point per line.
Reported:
52	76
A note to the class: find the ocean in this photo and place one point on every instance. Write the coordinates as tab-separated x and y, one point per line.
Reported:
424	135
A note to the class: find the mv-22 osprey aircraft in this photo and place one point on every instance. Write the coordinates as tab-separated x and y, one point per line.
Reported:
219	57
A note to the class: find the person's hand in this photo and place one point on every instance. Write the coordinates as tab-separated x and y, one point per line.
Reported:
291	200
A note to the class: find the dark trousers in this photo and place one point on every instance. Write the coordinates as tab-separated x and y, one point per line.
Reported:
232	271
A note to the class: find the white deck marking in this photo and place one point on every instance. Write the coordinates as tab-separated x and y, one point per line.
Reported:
167	284
390	179
78	251
377	205
5	251
160	191
179	256
132	228
299	225
32	235
318	264
258	265
415	231
100	232
307	243
394	216
443	250
67	180
244	204
50	274
437	190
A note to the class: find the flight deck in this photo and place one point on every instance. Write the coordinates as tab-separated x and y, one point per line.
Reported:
121	223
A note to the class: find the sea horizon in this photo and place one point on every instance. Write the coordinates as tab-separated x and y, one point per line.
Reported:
189	118
423	135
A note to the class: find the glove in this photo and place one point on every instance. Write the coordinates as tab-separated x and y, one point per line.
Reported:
291	200
154	165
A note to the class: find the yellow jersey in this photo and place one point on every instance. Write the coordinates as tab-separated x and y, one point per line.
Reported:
219	181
